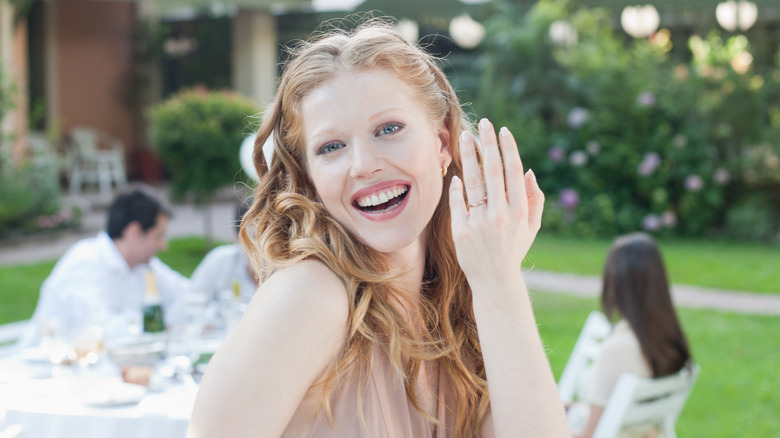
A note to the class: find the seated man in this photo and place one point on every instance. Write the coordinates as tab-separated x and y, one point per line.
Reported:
225	272
101	280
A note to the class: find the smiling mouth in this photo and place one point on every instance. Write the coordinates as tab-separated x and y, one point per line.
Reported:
383	201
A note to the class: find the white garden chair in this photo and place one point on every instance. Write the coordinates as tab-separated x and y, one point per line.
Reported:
91	163
596	328
636	401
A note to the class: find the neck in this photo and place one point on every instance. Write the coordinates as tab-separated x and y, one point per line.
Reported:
411	262
124	251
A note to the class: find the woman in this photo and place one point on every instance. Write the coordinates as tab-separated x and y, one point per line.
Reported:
648	340
387	308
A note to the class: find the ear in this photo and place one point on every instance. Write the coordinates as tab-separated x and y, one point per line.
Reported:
446	150
132	230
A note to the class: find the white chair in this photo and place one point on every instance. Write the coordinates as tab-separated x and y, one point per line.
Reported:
636	401
596	328
89	163
9	334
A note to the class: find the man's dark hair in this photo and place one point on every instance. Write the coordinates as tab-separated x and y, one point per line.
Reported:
135	205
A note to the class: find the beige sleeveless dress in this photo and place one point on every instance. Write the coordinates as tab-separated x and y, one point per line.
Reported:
387	412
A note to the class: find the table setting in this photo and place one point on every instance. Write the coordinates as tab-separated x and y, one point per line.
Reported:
140	385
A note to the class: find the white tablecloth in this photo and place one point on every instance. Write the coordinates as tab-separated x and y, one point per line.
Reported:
72	407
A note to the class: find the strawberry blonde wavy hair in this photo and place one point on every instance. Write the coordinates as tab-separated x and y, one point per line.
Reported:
285	225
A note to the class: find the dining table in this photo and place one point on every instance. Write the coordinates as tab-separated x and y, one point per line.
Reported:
52	401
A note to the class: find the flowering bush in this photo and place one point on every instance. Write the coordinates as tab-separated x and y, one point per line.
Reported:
623	138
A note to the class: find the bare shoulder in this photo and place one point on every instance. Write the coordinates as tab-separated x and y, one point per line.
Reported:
292	332
307	289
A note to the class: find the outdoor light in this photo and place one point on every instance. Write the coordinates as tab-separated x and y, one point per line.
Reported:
466	32
640	21
562	33
733	15
335	5
409	29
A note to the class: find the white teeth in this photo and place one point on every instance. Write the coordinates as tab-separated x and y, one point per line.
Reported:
381	197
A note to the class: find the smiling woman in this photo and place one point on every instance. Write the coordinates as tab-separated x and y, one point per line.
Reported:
387	308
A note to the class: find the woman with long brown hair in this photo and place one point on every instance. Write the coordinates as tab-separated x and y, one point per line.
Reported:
647	339
388	308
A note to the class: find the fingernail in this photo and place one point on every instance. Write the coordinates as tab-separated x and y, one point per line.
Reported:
503	132
484	124
464	137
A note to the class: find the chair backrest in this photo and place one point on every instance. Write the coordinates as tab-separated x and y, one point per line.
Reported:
636	401
9	334
596	328
85	140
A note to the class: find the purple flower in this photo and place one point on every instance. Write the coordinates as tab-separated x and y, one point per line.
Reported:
693	183
593	147
645	99
679	141
578	158
569	198
577	117
721	176
556	154
651	222
669	219
649	164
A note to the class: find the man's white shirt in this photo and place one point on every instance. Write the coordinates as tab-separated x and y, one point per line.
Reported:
93	284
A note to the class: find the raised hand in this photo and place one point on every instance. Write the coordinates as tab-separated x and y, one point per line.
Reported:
494	233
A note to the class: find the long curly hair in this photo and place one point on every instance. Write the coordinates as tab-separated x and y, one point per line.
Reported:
286	224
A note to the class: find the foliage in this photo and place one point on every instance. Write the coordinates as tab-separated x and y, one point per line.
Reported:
30	201
29	191
197	134
621	136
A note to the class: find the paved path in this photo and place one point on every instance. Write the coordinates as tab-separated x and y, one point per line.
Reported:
189	221
682	295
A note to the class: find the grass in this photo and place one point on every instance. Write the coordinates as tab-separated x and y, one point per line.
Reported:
736	393
716	264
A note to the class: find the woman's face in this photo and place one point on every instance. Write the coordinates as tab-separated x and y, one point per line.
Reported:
374	157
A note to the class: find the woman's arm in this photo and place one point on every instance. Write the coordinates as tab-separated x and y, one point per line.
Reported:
491	241
292	331
593	420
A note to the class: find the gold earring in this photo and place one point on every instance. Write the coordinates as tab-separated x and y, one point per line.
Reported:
443	171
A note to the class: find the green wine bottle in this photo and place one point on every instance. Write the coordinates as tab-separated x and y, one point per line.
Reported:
154	321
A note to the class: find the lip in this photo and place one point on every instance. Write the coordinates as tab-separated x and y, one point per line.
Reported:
384	185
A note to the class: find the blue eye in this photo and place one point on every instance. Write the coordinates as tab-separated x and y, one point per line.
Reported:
390	128
329	147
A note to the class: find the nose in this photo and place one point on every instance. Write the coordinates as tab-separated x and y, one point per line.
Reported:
366	159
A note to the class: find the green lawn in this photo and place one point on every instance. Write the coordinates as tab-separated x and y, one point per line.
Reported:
738	391
717	264
736	394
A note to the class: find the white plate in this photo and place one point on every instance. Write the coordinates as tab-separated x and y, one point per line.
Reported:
111	393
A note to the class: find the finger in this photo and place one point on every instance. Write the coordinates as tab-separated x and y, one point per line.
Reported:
535	198
491	165
457	204
472	175
513	167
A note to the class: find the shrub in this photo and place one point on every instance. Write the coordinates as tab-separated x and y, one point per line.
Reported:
198	135
621	136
